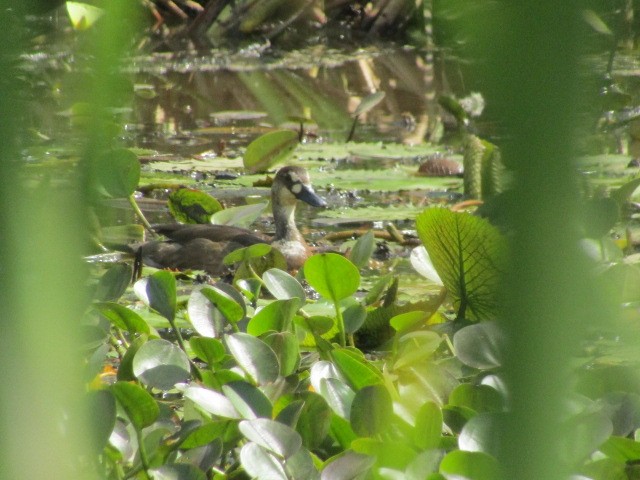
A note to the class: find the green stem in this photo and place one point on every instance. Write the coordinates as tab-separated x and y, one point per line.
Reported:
138	212
340	320
194	368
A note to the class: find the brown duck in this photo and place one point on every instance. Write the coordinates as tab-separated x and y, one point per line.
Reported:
202	247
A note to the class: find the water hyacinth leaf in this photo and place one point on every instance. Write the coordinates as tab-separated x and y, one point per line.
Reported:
585	433
242	216
254	356
425	465
83	15
230	304
371	411
314	420
276	437
248	400
161	364
323	369
113	283
125	370
471	465
480	346
158	291
421	263
282	285
316	324
276	316
621	448
209	433
354	316
205	318
301	465
177	471
428	426
391	456
332	276
285	346
290	414
118	172
247	253
409	320
187	205
208	350
478	434
122	317
102	405
259	463
480	398
338	395
363	249
469	255
347	466
269	149
140	407
212	402
355	368
367	103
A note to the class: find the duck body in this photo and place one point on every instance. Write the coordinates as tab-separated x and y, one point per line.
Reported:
203	247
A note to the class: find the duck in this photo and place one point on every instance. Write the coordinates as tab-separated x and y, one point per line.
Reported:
204	246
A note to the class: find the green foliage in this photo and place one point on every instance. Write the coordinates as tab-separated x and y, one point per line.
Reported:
270	149
192	206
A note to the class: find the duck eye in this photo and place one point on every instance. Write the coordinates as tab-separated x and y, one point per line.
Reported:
296	188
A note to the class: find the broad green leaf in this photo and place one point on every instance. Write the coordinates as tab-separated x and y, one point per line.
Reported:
621	449
137	403
125	370
389	454
123	317
314	420
302	465
247	253
254	356
102	405
259	463
424	466
210	350
363	249
355	368
274	436
428	426
290	414
407	321
471	465
354	316
332	276
469	255
285	346
212	402
158	291
275	316
338	395
248	400
421	263
207	433
347	466
480	346
83	15
269	149
204	316
113	283
118	171
192	206
177	471
161	364
229	303
242	216
480	398
585	433
479	433
371	411
367	103
282	285
340	430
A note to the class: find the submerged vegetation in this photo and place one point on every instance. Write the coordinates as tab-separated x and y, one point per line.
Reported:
470	310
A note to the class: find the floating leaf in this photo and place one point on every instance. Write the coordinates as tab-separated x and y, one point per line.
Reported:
118	171
274	436
83	15
367	103
469	255
254	356
269	149
242	216
332	276
161	364
192	206
158	291
137	403
371	411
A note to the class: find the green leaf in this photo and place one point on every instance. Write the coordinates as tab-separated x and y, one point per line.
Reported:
480	346
248	400
332	276
621	449
409	320
102	405
355	368
187	205
480	398
269	149
83	15
314	420
371	411
389	454
469	255
254	356
347	466
113	283
282	285
212	402
242	216
125	370
227	301
247	253
275	316
123	317
363	249
207	433
274	436
177	471
367	103
204	316
479	433
210	350
428	427
338	395
259	463
285	346
139	406
471	465
158	291
354	316
161	364
118	171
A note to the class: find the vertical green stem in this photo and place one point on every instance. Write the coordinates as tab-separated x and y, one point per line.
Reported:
340	322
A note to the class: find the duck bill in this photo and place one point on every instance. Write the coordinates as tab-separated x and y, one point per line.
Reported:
307	195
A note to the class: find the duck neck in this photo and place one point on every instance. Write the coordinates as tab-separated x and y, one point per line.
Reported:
285	220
